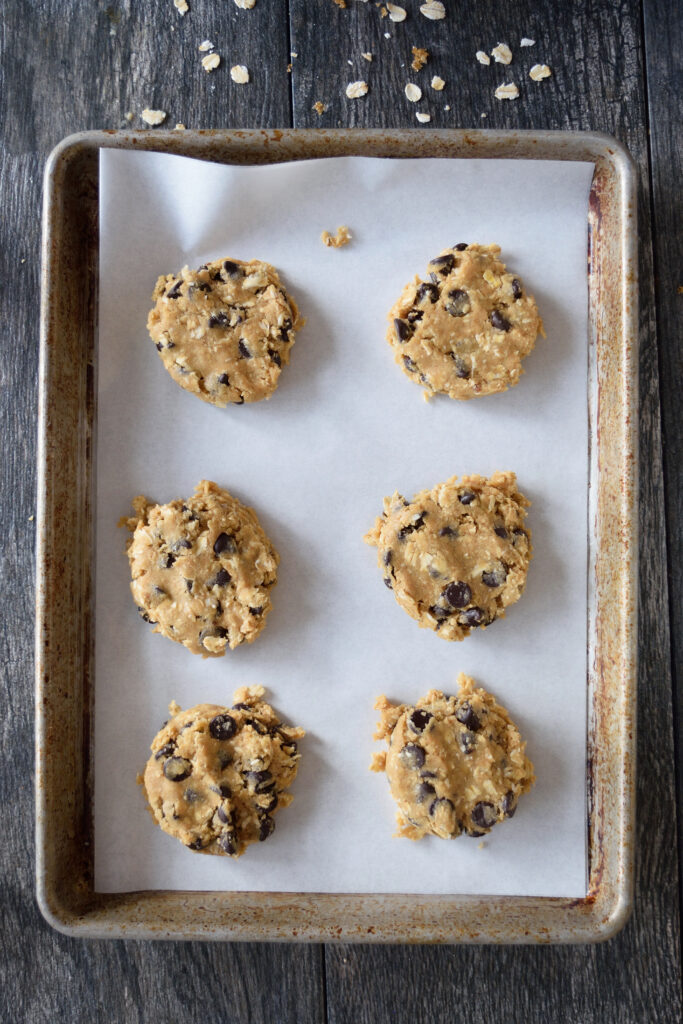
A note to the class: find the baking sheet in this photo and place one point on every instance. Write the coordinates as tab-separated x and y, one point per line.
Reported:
344	428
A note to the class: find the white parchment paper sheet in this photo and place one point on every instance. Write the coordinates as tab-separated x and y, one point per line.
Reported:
345	428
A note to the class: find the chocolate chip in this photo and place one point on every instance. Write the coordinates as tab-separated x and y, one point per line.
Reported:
439	612
177	768
274	357
509	805
144	615
167	561
174	292
224	759
223	727
219	632
459	302
472	617
221	579
188	584
448	531
440	805
484	814
468	717
266	828
205	287
427	775
222	816
228	843
260	782
411	527
196	844
272	803
218	320
386	558
409	364
183	543
241	707
191	795
256	611
468	742
232	269
466	498
257	726
516	288
419	720
518	534
414	315
388	583
444	263
494	577
244	351
404	331
427	290
224	543
499	321
501	531
165	751
159	346
461	246
457	594
462	369
412	756
289	746
424	791
224	379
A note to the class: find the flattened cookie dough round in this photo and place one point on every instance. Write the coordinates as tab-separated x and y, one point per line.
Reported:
456	556
455	764
217	775
465	329
202	569
224	331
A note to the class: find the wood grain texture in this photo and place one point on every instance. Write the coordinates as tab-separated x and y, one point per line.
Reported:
596	53
70	66
66	67
664	49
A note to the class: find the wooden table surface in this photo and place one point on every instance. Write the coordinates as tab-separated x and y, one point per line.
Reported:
79	64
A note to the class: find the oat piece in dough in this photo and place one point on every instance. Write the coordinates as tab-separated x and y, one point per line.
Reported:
456	556
202	569
465	329
225	331
455	764
217	775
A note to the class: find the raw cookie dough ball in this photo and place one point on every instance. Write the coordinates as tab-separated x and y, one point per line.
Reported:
217	775
454	764
456	556
465	330
224	331
202	569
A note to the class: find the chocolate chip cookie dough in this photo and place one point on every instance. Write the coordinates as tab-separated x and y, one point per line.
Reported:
464	330
224	331
217	775
456	556
455	764
202	569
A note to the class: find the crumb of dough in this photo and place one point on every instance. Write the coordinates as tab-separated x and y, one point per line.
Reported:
319	108
245	5
437	83
502	53
342	237
354	90
413	92
539	72
366	56
527	42
239	73
180	127
153	117
396	13
420	57
206	45
129	115
340	3
423	118
509	91
181	6
482	57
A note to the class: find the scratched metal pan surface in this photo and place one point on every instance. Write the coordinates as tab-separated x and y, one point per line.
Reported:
65	583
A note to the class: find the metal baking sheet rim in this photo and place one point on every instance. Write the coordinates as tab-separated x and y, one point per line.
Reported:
64	612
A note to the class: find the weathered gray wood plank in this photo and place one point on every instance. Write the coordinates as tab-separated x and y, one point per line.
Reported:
664	47
66	67
596	54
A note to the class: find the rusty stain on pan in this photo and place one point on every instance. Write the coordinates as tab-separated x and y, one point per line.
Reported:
64	596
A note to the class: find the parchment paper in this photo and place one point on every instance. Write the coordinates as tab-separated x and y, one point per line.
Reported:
345	428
